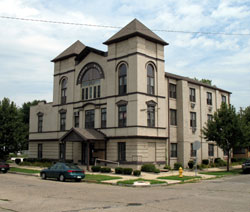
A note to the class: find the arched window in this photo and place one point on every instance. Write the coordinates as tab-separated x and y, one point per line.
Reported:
122	79
63	91
150	79
91	88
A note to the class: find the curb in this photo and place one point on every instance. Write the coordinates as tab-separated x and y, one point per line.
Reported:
25	174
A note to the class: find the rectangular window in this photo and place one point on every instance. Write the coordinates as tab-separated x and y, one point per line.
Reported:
103	117
90	92
122	85
173	117
62	121
172	91
151	116
192	96
98	91
193	152
122	114
86	93
62	151
76	117
210	150
40	151
90	119
192	119
94	92
150	85
121	151
209	98
209	117
40	123
223	99
83	94
173	150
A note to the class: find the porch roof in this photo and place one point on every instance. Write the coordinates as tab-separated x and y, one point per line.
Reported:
78	134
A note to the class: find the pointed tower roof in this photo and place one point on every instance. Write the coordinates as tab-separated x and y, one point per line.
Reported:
135	28
73	50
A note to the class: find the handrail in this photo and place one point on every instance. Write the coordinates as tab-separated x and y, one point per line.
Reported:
107	161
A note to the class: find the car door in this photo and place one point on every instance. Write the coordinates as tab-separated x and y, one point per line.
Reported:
59	170
52	171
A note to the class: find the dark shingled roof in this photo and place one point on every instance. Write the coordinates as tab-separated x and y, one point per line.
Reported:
84	134
135	28
73	50
178	77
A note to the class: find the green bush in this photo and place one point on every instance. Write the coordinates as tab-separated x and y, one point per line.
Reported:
177	166
219	162
118	170
96	168
167	167
205	161
148	168
191	164
202	166
157	171
105	169
38	164
127	171
136	172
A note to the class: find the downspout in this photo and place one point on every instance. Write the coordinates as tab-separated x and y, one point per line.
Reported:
168	125
201	125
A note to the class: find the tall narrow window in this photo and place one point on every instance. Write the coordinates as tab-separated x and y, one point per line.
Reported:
122	79
40	122
62	151
151	116
76	119
121	151
173	117
209	117
172	91
209	98
63	91
193	152
192	97
192	119
150	79
103	117
223	99
40	151
90	119
62	121
122	114
210	150
173	152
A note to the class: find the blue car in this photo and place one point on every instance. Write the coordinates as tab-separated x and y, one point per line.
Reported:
63	171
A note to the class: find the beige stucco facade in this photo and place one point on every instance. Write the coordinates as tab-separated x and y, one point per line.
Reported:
143	143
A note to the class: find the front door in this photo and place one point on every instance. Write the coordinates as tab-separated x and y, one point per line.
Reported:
85	154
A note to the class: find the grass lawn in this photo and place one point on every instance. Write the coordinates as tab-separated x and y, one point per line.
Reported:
99	177
176	177
222	173
29	171
140	179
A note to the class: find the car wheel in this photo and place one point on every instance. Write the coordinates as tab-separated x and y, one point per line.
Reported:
62	178
5	171
43	176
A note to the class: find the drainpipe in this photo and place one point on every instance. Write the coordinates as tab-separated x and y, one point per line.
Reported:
168	142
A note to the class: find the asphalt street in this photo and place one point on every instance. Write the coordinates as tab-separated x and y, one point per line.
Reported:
20	193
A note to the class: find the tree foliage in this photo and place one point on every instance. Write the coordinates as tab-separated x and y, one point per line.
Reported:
225	129
206	81
245	125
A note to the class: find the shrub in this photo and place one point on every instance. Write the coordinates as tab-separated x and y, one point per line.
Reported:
96	168
167	167
136	172
148	168
17	160
118	170
177	166
127	171
105	169
157	171
191	164
217	160
205	161
202	166
25	160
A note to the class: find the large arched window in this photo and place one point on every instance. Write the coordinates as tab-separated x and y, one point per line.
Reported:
150	79
122	79
63	91
91	88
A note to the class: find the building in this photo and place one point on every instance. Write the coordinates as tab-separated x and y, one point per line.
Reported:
121	105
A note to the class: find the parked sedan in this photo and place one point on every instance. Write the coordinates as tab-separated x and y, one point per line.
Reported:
62	171
246	166
4	167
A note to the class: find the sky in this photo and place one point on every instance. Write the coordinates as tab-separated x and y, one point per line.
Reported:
26	48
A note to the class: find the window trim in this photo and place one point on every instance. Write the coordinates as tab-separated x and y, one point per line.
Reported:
209	98
121	153
173	122
172	92
151	115
63	121
64	90
174	152
193	153
122	79
122	122
193	119
192	95
150	80
210	150
90	124
103	114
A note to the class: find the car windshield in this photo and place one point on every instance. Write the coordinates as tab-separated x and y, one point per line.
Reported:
72	166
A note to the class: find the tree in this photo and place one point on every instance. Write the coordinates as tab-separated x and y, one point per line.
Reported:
245	125
12	130
225	129
206	81
25	110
